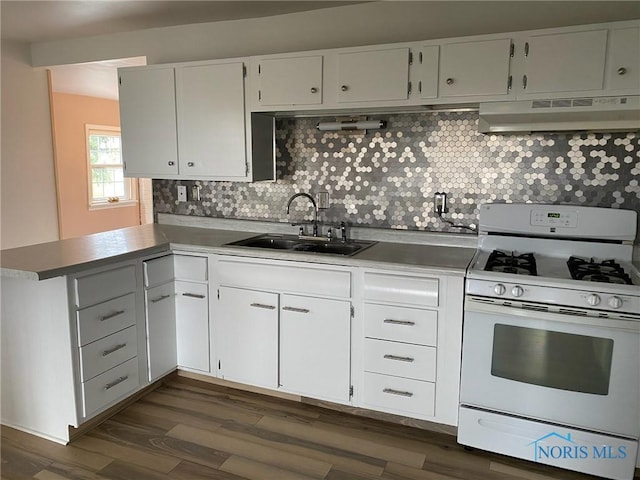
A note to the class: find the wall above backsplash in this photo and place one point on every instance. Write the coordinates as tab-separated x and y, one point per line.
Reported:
388	178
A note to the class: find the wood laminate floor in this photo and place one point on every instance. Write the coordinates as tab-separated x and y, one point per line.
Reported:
189	430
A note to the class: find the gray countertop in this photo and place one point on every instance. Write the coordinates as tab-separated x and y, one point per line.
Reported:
53	259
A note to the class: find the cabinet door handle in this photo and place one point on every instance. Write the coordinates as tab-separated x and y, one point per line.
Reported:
398	358
397	392
524	82
117	381
295	309
190	164
111	315
113	349
192	295
344	88
449	81
171	164
314	90
408	323
622	71
160	298
262	305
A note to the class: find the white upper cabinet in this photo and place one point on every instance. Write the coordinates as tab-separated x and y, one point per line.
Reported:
475	68
188	121
290	81
427	71
567	62
211	129
374	75
623	62
148	121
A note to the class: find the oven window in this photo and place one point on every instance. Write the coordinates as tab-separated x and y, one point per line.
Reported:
552	359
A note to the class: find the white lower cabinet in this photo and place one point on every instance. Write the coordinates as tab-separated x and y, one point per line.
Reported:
411	327
285	325
161	329
192	325
315	346
248	336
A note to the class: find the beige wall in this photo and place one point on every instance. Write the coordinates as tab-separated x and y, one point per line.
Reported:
28	212
70	115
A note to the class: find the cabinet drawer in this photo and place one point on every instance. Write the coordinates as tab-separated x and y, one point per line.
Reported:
399	395
400	359
158	271
109	386
290	279
106	353
106	318
190	268
96	288
401	324
384	287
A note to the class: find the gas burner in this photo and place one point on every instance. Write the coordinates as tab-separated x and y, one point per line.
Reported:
607	271
503	262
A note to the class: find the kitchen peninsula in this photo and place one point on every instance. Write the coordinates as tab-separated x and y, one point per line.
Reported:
90	321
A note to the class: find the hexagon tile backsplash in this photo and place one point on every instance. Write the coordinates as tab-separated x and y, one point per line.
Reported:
387	178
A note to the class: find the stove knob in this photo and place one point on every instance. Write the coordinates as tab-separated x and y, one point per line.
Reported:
499	289
517	291
593	299
615	302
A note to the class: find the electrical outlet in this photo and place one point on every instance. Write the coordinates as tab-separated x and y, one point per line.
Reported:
182	193
440	202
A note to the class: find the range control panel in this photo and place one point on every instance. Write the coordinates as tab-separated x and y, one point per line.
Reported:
554	218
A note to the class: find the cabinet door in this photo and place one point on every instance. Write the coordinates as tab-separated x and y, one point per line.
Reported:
315	339
290	81
475	68
568	62
247	324
161	330
428	58
211	120
192	325
623	63
148	122
376	75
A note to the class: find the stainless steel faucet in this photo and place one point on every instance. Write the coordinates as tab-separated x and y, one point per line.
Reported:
315	209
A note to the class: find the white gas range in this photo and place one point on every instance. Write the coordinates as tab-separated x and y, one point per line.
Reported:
551	342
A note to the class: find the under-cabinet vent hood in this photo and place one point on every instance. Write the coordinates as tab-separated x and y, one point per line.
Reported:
575	114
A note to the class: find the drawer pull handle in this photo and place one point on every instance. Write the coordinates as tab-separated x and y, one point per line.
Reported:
262	305
399	359
111	315
397	392
114	349
296	309
160	298
399	322
117	381
192	295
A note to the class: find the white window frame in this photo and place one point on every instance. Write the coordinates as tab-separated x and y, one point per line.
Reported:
131	186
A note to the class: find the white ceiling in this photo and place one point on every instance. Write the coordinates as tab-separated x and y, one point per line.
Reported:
39	21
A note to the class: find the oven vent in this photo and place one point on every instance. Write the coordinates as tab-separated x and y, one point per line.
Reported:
537	308
569	311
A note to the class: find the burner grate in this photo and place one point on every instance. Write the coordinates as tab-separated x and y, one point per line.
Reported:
607	271
504	262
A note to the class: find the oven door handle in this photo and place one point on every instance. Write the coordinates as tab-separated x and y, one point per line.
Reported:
527	311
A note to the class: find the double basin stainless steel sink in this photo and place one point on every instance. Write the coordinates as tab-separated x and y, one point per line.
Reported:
293	243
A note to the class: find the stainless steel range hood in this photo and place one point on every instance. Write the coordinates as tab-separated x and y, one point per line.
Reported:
554	115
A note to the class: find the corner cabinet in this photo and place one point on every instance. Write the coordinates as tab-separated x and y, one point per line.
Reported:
188	121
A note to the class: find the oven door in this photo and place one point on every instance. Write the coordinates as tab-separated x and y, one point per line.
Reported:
571	370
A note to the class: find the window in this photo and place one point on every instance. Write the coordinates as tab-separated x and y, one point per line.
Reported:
107	185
